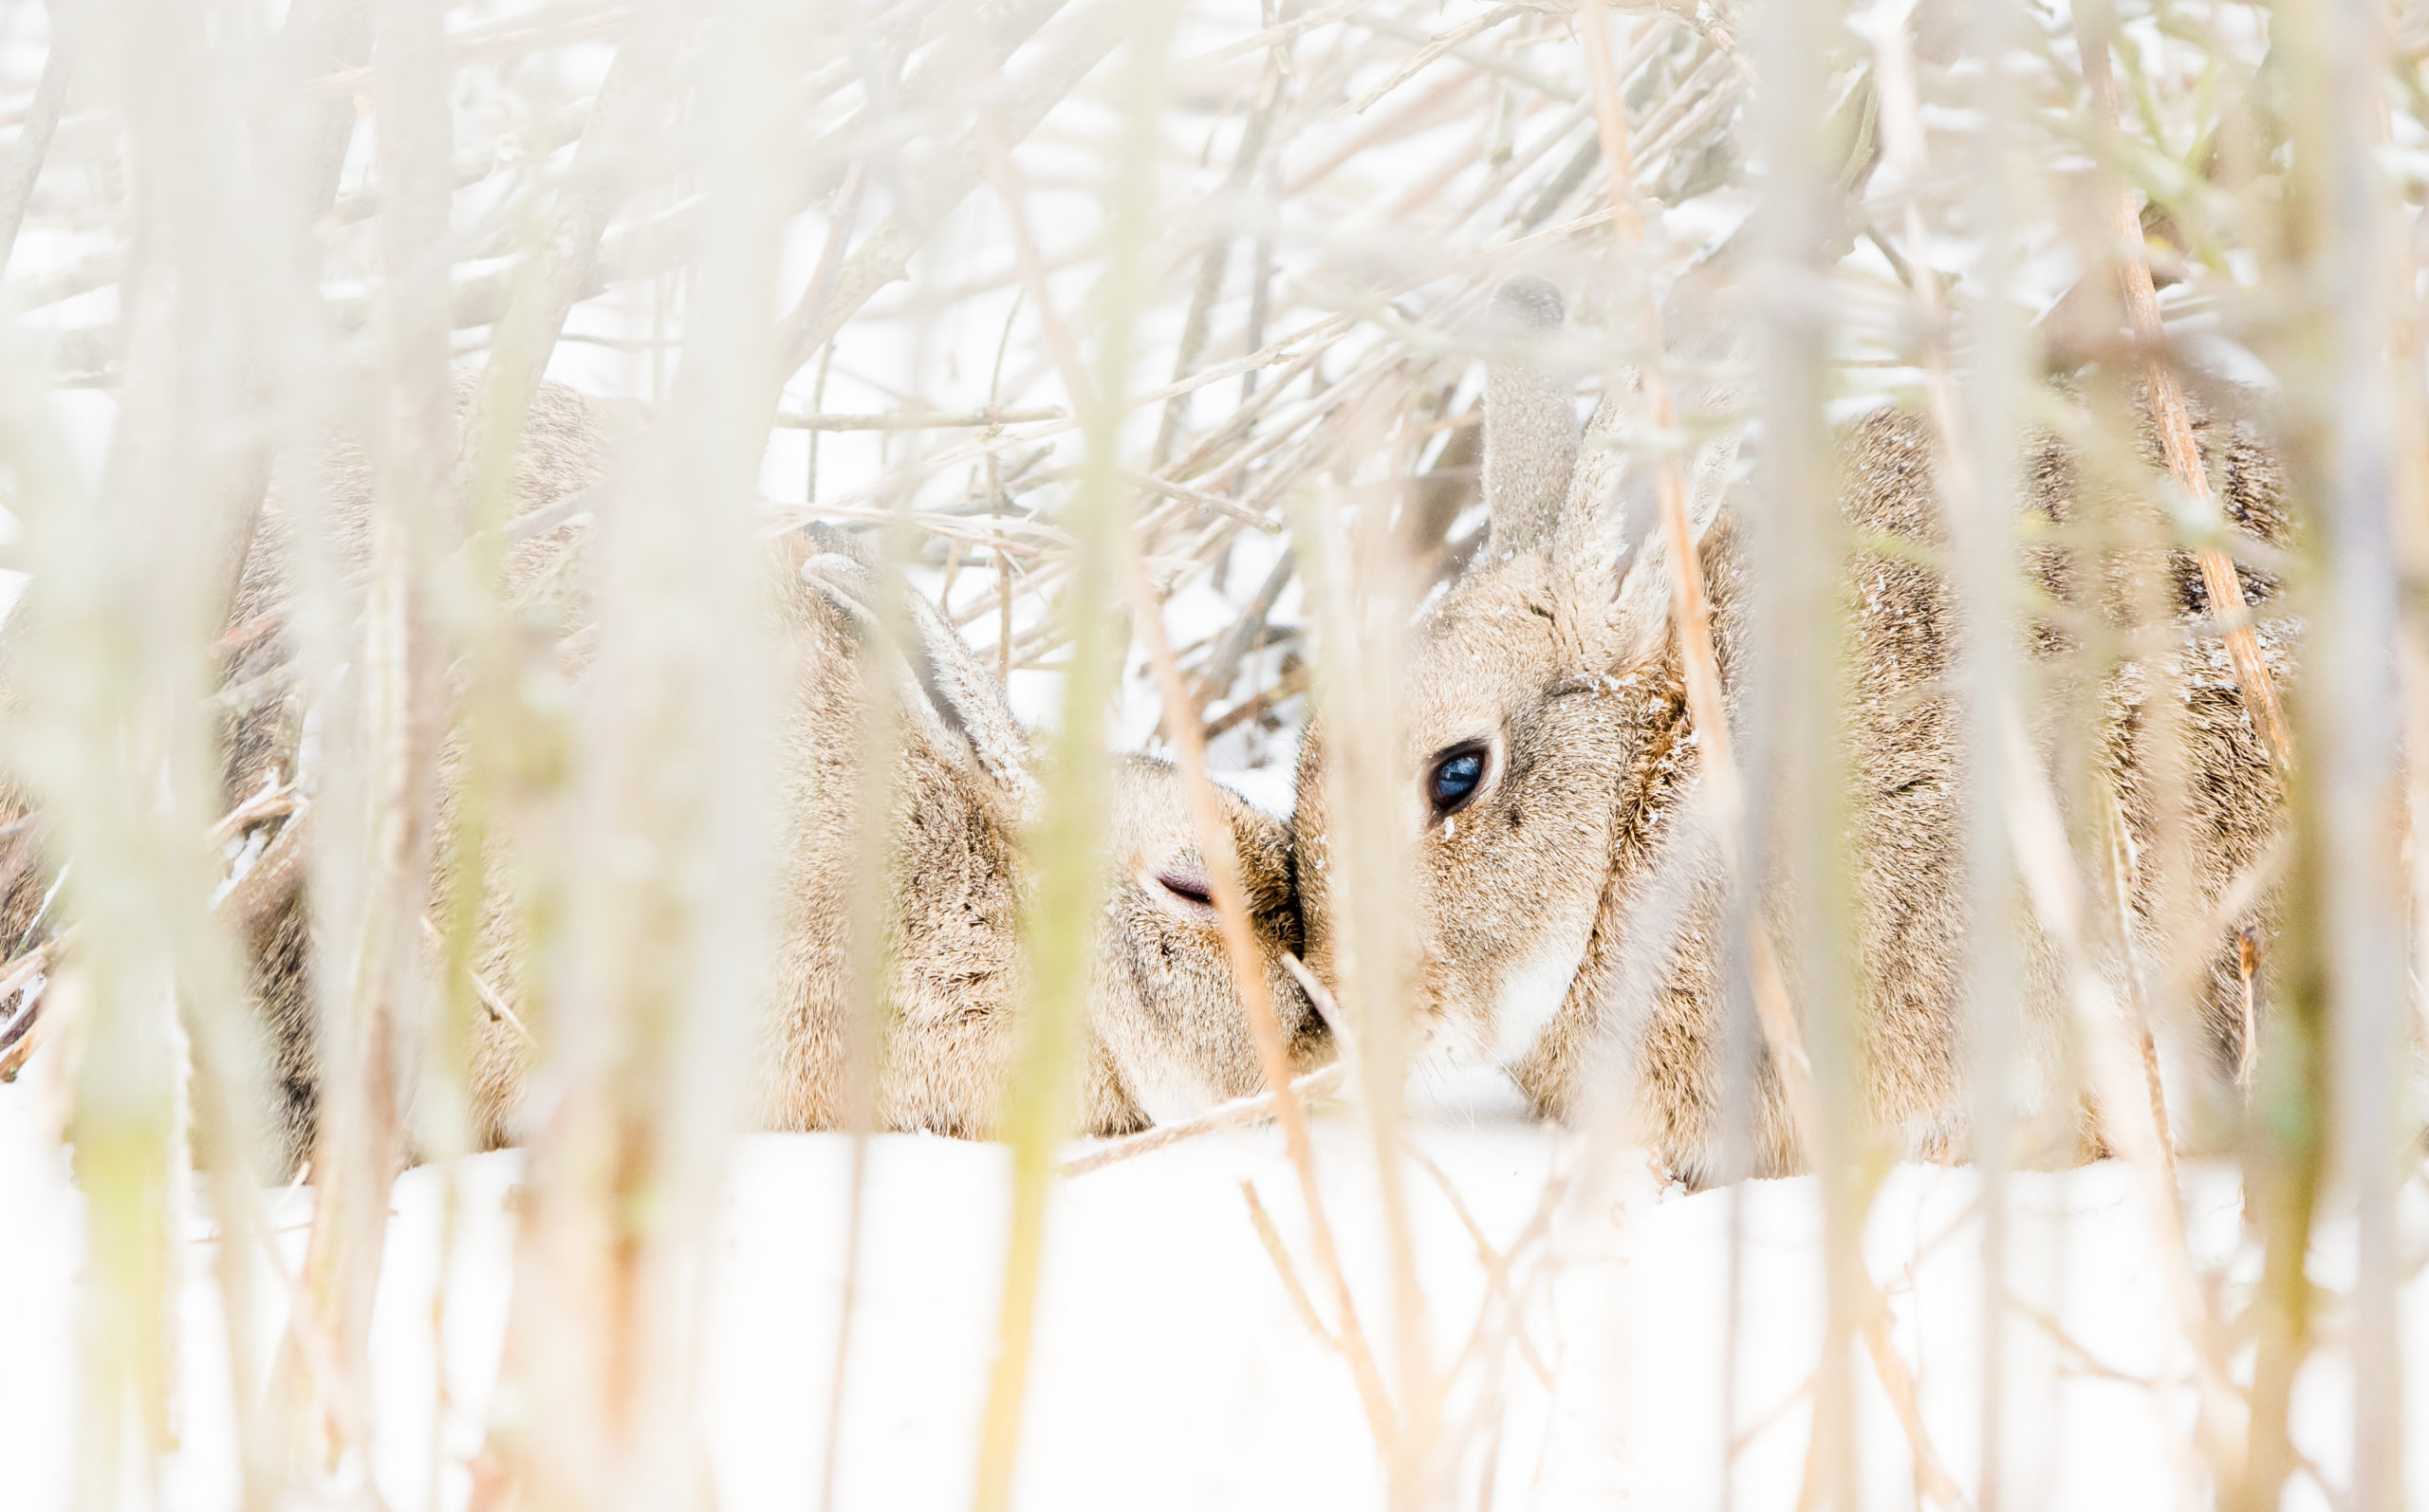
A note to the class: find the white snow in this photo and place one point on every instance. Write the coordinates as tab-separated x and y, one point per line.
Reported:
1172	1371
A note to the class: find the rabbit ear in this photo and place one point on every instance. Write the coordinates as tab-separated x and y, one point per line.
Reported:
1529	420
949	693
1610	512
1610	548
1640	571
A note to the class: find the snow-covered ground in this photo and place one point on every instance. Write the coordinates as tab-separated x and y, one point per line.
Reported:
1173	1370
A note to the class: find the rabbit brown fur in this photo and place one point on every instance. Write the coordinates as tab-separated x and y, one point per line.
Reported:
1575	899
1165	1033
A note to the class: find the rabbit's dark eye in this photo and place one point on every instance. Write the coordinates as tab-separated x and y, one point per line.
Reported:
1454	777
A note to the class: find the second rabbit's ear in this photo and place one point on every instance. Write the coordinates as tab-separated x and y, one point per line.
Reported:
1530	420
1611	511
949	693
1611	544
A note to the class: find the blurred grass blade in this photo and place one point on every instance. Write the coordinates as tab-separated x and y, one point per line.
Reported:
1060	919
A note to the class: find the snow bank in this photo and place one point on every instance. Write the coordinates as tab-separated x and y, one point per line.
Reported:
1173	1370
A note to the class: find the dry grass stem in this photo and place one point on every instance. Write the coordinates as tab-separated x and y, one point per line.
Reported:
2175	425
2117	1077
1240	1112
922	419
1231	909
1279	1254
1216	848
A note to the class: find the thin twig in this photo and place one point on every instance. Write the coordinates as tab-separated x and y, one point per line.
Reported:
268	803
1274	1250
1223	663
561	273
1497	1265
922	419
1291	685
1272	36
490	998
1246	162
2175	425
791	352
2051	883
1516	73
1240	1112
1213	503
2086	1362
558	26
1932	1479
1415	63
16	1041
33	141
274	875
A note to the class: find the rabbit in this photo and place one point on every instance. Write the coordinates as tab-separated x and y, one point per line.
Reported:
1166	1037
1551	771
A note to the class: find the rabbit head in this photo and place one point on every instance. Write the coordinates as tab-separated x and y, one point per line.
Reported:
1165	1007
1168	1033
1536	688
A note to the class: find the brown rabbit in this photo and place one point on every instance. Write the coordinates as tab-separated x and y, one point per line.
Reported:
1166	1035
1567	892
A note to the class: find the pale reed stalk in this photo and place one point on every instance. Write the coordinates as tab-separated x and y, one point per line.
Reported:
1976	479
2324	1007
668	873
1359	598
1799	679
869	949
111	732
384	756
295	145
310	1409
2148	885
2169	414
1060	923
2352	709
